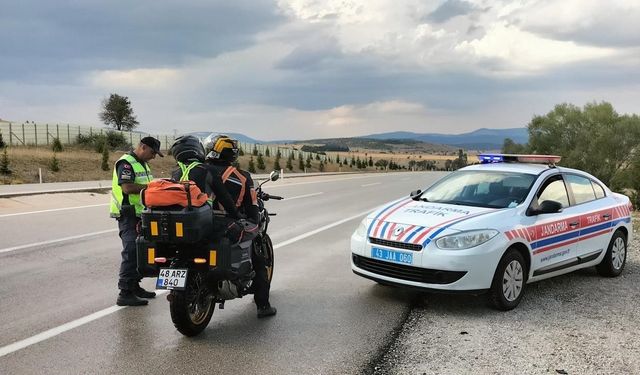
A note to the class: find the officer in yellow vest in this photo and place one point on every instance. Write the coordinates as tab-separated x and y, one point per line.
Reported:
131	174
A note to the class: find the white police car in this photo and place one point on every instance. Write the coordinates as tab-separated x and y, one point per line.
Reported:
496	226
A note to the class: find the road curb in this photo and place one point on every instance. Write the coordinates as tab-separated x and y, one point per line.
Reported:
103	189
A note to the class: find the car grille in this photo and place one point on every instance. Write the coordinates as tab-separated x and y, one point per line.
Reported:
397	245
410	273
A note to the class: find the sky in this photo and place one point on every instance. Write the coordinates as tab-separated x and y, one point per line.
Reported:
301	69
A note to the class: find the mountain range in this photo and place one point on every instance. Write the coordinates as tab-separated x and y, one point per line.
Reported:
481	139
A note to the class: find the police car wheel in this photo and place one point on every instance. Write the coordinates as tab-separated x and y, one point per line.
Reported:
509	281
614	260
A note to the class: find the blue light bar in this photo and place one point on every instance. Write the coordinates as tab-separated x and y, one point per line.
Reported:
490	158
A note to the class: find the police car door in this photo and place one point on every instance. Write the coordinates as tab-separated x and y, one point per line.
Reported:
554	236
596	215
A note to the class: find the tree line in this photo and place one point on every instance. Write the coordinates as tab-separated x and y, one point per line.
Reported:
594	138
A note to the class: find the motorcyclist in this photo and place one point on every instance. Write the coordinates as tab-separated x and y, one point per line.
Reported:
189	154
222	153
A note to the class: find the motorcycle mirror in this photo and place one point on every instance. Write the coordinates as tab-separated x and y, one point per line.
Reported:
274	176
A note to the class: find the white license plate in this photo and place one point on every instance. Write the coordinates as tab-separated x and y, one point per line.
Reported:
172	278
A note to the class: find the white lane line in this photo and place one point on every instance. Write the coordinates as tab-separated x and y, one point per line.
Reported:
54	210
18	345
371	184
316	231
335	179
44	243
61	329
303	196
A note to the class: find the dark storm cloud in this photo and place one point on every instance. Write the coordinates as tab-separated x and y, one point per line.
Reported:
450	9
40	38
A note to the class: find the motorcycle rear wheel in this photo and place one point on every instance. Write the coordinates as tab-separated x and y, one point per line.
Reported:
191	309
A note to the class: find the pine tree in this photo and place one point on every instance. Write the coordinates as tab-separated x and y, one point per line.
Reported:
105	157
240	151
292	155
321	166
338	158
267	153
370	161
276	165
278	154
317	157
4	164
2	144
290	162
308	163
57	145
300	164
54	165
255	150
252	166
261	165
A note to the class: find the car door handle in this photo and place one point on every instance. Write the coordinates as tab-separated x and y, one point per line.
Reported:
574	224
606	216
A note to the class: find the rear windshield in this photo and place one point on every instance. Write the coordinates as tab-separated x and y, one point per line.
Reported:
482	189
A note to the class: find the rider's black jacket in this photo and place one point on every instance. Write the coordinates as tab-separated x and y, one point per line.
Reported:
239	185
208	180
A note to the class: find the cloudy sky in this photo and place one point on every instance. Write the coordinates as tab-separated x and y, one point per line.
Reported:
294	69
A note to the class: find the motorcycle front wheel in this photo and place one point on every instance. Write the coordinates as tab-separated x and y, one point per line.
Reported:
192	308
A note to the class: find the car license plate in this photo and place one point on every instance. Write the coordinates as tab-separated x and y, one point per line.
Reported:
172	278
391	256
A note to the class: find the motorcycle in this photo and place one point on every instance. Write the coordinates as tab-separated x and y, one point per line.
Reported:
200	269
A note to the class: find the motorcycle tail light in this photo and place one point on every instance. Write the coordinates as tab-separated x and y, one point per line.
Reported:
160	260
199	260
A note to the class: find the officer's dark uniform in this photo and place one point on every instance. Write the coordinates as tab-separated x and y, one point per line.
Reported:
240	186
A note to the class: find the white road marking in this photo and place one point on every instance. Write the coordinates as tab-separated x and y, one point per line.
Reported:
63	328
335	179
303	196
372	184
18	345
44	243
54	210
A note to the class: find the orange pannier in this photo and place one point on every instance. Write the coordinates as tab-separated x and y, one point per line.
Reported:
164	192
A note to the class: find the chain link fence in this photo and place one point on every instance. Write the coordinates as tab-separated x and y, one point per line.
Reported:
42	135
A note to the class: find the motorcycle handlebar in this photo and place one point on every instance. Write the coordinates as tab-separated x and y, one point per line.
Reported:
266	197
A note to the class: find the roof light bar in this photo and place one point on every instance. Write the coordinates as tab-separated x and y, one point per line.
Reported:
516	158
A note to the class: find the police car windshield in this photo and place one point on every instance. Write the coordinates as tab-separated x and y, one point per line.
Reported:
481	188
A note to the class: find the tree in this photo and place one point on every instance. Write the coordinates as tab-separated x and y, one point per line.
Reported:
2	144
382	163
117	112
370	161
261	165
255	150
460	161
338	158
57	145
105	157
321	166
276	165
267	153
54	165
290	162
594	138
300	164
308	162
240	151
4	163
252	166
510	147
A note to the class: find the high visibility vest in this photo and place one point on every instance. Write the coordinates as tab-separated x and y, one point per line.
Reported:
186	169
142	175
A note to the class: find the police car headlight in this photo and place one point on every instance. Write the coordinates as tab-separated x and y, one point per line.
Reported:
362	229
465	240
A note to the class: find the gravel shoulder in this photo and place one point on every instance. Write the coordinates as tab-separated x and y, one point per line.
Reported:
578	323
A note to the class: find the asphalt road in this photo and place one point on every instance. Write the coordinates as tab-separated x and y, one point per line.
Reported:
59	259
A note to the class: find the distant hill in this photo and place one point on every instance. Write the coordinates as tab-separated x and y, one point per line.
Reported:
481	139
381	144
238	136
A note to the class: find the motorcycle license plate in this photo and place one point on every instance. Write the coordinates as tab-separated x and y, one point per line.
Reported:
172	278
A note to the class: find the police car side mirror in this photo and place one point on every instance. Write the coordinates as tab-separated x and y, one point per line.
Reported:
274	176
546	207
415	195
